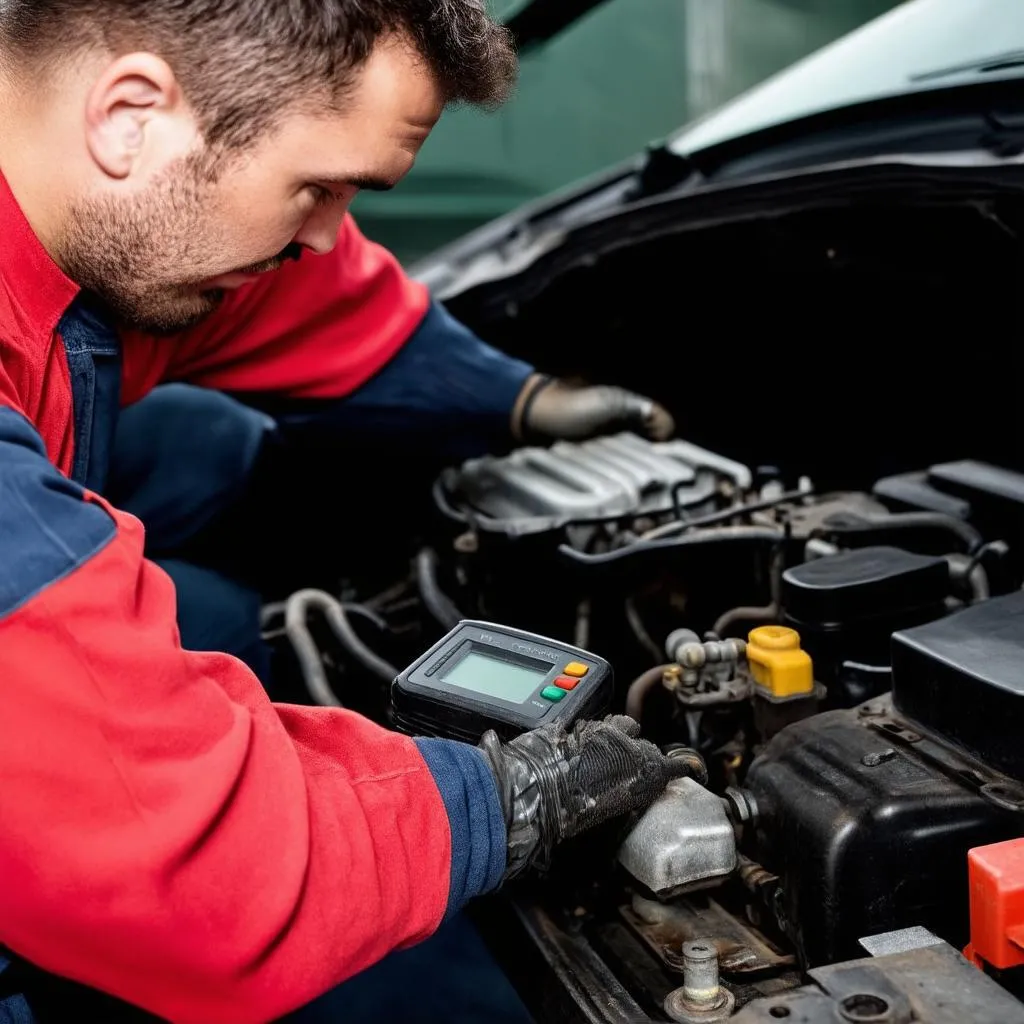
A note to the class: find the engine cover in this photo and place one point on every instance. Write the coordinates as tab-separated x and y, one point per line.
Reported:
960	678
535	490
867	833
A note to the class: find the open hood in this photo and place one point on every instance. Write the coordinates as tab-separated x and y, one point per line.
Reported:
920	46
933	82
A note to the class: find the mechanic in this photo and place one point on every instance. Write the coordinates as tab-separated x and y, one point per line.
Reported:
170	836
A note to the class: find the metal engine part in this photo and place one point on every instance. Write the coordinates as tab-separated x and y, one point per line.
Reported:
684	841
533	490
932	984
700	999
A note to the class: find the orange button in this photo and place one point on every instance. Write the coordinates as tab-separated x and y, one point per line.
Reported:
566	682
575	668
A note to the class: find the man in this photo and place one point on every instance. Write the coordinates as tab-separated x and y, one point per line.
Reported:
169	836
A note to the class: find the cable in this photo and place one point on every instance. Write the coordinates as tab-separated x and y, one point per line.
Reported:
640	631
581	636
436	601
671	545
742	509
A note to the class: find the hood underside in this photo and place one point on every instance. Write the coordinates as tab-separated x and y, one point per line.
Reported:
859	330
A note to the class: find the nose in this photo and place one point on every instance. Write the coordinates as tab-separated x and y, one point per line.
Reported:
319	233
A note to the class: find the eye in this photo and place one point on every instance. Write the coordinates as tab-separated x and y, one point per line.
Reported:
322	196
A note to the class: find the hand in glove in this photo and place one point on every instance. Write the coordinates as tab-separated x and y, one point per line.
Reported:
550	409
555	784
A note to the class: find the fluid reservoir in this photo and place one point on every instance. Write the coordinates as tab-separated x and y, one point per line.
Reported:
784	687
781	669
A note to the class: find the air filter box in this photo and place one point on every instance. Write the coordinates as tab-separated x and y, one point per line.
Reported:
962	678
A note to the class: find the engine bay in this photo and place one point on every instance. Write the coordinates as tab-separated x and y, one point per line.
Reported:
846	664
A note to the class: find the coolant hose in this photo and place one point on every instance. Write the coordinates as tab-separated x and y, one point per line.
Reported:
638	690
695	763
296	613
435	600
959	528
963	569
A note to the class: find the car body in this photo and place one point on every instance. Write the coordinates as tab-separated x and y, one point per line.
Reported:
905	136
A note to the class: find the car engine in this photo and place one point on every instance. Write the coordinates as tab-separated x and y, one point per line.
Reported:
846	664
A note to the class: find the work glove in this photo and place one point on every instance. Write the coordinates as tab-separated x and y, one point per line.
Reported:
555	784
549	409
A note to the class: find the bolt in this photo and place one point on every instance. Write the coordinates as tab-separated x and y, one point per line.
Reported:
701	999
873	760
700	974
466	543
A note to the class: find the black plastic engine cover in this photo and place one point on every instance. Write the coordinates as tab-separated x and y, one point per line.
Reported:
865	835
963	678
990	497
846	608
864	584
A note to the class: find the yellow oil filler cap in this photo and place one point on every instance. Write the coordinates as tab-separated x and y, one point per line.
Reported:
779	667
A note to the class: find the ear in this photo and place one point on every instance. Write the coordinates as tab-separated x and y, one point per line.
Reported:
136	115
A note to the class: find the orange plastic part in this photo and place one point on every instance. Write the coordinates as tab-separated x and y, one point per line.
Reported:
996	882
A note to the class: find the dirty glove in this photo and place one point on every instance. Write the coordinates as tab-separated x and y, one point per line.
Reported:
555	784
550	409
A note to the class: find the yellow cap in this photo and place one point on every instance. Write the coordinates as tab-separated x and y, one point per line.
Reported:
777	663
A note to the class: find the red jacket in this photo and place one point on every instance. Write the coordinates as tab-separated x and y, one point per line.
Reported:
168	835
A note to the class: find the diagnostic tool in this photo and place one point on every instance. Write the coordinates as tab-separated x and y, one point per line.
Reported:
484	676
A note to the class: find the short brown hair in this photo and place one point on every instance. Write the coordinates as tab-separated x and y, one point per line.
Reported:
241	62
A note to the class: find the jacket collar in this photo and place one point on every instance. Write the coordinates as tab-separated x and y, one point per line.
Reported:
39	286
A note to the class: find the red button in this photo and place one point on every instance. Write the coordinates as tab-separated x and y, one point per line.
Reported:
566	682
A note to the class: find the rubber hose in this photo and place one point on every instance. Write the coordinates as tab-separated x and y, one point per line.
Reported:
638	690
296	611
939	520
269	612
693	761
306	650
745	613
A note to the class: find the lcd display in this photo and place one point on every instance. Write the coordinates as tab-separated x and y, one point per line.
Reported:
496	678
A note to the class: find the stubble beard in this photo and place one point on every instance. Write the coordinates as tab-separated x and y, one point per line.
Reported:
134	253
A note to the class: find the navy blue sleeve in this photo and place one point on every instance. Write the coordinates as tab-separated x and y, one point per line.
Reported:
446	392
477	824
44	536
13	1009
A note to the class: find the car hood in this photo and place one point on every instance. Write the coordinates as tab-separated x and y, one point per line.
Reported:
931	81
919	46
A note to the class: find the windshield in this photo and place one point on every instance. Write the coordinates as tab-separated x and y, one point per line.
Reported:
922	44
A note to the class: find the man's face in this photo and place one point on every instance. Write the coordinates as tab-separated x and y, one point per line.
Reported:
164	242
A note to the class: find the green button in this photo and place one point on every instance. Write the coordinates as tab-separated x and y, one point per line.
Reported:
552	693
